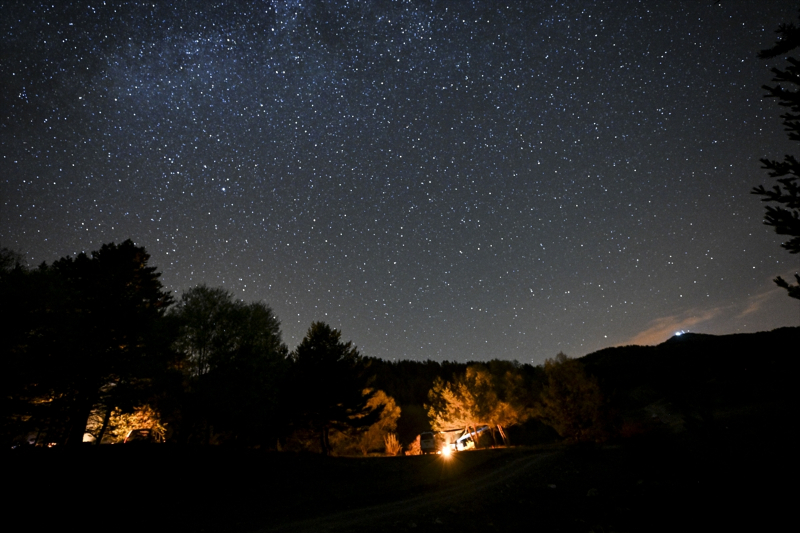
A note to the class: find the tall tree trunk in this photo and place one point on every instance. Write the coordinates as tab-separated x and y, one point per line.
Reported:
106	418
503	434
79	415
323	440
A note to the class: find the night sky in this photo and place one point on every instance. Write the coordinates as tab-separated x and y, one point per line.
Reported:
449	180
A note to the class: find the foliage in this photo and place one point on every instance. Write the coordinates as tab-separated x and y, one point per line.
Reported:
572	402
478	398
207	328
9	260
84	332
234	363
452	406
361	438
414	448
392	446
121	423
372	437
785	216
329	380
408	382
143	417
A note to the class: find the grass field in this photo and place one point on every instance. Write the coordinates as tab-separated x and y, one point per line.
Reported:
729	479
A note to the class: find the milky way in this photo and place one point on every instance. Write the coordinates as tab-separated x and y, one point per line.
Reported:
446	180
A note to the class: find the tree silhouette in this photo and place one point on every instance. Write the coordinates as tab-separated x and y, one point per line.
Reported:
571	402
206	328
329	385
785	215
9	260
33	315
234	362
85	336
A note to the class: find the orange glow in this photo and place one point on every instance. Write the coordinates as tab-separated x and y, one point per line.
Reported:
447	451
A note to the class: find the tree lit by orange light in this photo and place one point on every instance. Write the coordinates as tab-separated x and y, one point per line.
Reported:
120	424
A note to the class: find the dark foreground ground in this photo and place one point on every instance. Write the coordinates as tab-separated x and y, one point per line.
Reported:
737	477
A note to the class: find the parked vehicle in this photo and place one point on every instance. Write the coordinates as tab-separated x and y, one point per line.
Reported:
427	442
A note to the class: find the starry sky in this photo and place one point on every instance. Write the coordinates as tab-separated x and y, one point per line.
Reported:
449	180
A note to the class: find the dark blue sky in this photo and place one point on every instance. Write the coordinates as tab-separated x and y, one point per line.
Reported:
446	180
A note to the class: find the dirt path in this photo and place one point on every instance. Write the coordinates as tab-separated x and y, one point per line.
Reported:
460	491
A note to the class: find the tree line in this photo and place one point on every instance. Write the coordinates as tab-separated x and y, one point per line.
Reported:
94	346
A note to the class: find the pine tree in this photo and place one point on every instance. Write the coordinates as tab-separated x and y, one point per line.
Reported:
785	216
330	384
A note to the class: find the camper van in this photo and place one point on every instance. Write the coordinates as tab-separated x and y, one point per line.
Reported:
427	442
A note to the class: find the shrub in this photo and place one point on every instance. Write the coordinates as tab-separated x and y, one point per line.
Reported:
414	448
393	446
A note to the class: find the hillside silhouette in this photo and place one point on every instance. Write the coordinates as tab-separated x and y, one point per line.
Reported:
684	383
691	380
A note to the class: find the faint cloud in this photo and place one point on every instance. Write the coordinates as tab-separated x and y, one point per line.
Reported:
756	302
663	328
